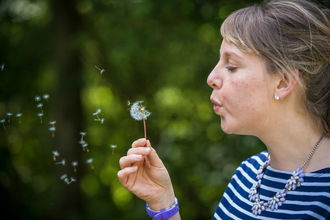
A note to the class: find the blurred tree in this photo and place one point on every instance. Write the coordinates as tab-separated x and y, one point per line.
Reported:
157	51
66	27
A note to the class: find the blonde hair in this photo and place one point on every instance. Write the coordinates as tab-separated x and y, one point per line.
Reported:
289	35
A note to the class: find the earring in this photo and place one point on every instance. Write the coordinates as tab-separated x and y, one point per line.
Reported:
277	97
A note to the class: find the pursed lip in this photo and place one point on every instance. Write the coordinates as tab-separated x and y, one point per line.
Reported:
216	105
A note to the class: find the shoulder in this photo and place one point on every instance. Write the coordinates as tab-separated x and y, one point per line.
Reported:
255	161
247	170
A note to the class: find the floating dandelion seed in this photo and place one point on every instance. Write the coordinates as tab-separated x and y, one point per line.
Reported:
66	180
63	176
37	98
85	146
82	142
91	162
62	162
18	115
128	104
52	129
101	70
82	135
55	154
98	111
102	120
40	115
139	112
3	123
46	96
9	114
39	105
2	66
113	148
74	164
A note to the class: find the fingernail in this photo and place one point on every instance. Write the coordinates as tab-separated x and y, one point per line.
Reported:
146	150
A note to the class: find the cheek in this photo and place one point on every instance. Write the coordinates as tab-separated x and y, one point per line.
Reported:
247	95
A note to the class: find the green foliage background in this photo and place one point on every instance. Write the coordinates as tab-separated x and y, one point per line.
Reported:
152	50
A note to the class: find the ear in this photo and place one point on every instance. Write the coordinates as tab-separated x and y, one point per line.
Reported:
285	84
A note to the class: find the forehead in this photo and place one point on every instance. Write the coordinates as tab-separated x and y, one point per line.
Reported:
231	50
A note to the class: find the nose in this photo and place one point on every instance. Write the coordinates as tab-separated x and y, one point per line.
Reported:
214	79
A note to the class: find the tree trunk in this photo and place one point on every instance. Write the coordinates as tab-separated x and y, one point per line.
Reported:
67	108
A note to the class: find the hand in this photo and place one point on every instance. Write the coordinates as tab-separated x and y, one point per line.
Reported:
152	185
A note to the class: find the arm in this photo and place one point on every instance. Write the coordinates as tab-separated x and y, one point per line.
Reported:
153	186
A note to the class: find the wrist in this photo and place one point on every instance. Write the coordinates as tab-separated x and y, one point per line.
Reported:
163	202
163	214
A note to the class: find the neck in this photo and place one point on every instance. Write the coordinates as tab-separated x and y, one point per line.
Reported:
290	144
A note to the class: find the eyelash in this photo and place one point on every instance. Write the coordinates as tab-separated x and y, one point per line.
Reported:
231	68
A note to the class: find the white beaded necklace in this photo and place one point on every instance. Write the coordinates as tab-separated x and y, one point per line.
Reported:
291	184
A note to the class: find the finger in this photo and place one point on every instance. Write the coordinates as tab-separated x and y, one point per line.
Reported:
139	150
153	156
139	143
127	161
123	174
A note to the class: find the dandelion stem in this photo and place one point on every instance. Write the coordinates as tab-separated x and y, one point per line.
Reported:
145	136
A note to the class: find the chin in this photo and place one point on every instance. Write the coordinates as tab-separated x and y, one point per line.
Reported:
229	128
225	128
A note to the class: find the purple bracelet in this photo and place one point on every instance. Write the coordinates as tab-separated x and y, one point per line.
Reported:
164	214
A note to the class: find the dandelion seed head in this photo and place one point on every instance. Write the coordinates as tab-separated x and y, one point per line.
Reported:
98	111
52	122
52	129
45	96
84	145
39	105
102	71
37	98
89	160
56	153
66	180
74	163
83	133
102	120
9	114
18	114
40	114
73	179
2	120
82	142
138	112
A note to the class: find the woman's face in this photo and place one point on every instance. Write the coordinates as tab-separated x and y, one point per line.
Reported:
241	91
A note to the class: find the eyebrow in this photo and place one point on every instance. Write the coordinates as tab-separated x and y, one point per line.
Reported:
229	54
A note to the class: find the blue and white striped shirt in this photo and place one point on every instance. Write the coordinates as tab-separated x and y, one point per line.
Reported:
309	201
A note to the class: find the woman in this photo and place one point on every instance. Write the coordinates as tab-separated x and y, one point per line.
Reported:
272	81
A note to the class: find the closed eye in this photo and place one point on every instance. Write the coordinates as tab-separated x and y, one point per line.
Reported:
231	68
